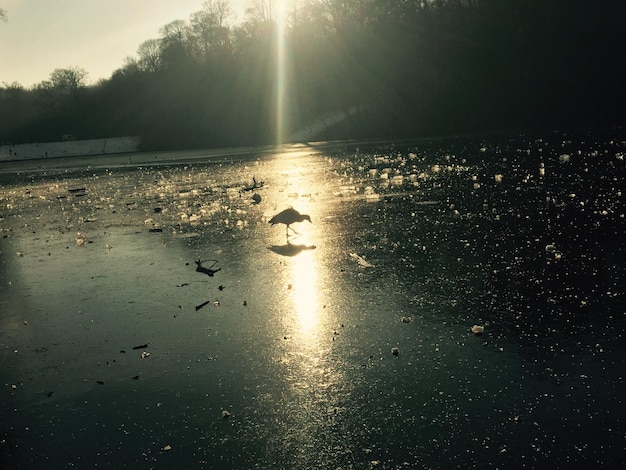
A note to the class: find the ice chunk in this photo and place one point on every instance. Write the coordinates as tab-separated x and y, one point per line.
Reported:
478	329
550	248
361	261
80	239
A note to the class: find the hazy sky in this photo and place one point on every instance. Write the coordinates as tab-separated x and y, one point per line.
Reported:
97	35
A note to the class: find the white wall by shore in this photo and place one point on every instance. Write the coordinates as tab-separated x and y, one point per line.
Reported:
70	148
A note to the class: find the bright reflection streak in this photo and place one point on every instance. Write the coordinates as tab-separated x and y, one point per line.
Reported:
316	387
281	72
304	273
305	294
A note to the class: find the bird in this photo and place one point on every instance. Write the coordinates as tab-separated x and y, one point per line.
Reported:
288	217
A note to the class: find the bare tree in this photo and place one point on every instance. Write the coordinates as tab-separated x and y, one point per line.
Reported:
175	44
149	53
261	11
131	64
344	13
69	79
221	9
174	32
13	86
209	27
44	90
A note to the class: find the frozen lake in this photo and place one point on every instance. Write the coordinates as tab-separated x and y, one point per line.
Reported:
349	345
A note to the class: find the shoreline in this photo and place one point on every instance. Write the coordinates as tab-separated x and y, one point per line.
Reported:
70	148
120	152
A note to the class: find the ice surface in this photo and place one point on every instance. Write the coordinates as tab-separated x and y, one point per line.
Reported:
496	274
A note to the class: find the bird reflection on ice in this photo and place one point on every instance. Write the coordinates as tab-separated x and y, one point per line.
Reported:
290	249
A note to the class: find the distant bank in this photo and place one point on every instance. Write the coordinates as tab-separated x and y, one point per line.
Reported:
115	145
70	148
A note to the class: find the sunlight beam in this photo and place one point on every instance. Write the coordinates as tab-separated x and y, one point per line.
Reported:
281	72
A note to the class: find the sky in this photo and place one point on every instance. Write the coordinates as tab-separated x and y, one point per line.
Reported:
96	35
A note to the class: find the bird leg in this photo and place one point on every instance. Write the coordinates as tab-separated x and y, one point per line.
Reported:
295	233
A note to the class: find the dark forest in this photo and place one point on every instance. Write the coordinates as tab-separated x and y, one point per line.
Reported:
402	68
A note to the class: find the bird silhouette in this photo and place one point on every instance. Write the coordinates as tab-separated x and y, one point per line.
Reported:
288	217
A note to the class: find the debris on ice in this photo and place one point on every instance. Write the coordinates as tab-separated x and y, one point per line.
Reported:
478	329
361	261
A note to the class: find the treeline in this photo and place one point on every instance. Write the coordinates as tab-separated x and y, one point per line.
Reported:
401	68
